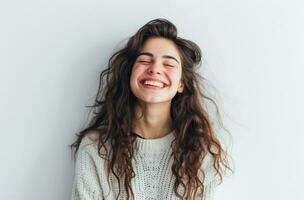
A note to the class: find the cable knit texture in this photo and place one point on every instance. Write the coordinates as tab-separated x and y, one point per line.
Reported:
153	179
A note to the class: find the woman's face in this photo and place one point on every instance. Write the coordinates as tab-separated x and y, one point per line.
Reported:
157	71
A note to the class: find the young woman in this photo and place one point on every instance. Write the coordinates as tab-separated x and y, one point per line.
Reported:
151	136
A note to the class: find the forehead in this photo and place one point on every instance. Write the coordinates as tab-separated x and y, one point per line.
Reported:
160	46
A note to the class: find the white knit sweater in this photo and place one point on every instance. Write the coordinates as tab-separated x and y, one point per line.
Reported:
152	166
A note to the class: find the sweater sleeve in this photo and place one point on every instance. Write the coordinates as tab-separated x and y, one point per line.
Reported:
211	180
209	191
86	185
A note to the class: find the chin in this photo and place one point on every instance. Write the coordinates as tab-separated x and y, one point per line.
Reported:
154	100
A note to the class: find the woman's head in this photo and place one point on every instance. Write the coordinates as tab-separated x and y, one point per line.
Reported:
157	72
156	52
156	55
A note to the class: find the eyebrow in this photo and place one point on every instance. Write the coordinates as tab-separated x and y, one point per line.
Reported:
151	55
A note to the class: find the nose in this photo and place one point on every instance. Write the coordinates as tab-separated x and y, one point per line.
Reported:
154	68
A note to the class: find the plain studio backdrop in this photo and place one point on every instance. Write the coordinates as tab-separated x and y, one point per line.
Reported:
53	51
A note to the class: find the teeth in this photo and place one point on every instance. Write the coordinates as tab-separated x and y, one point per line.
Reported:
154	83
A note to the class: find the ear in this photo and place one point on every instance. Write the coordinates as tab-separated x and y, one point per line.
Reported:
180	88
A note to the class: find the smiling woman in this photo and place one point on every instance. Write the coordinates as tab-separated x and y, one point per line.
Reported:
150	137
156	73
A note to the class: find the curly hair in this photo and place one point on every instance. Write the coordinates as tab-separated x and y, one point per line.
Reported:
114	108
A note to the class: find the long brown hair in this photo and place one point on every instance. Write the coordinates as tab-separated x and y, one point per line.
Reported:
194	133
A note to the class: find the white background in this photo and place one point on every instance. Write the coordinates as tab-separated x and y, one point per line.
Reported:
53	51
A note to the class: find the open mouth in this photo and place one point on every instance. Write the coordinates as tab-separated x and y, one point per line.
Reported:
153	84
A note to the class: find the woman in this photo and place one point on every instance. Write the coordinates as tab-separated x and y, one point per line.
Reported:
150	137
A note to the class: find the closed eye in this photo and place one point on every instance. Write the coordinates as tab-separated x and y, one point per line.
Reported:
144	61
169	65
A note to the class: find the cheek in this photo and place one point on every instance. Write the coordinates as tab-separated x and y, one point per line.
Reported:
134	72
137	70
174	75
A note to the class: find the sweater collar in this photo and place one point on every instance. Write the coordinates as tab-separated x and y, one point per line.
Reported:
155	146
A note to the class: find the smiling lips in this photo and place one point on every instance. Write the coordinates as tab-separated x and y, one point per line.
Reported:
154	83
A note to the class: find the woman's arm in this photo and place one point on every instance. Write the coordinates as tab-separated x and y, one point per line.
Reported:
86	185
209	191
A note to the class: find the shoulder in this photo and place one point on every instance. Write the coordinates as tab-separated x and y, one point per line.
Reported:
91	138
89	144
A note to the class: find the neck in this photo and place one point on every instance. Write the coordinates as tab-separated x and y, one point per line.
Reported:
152	120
